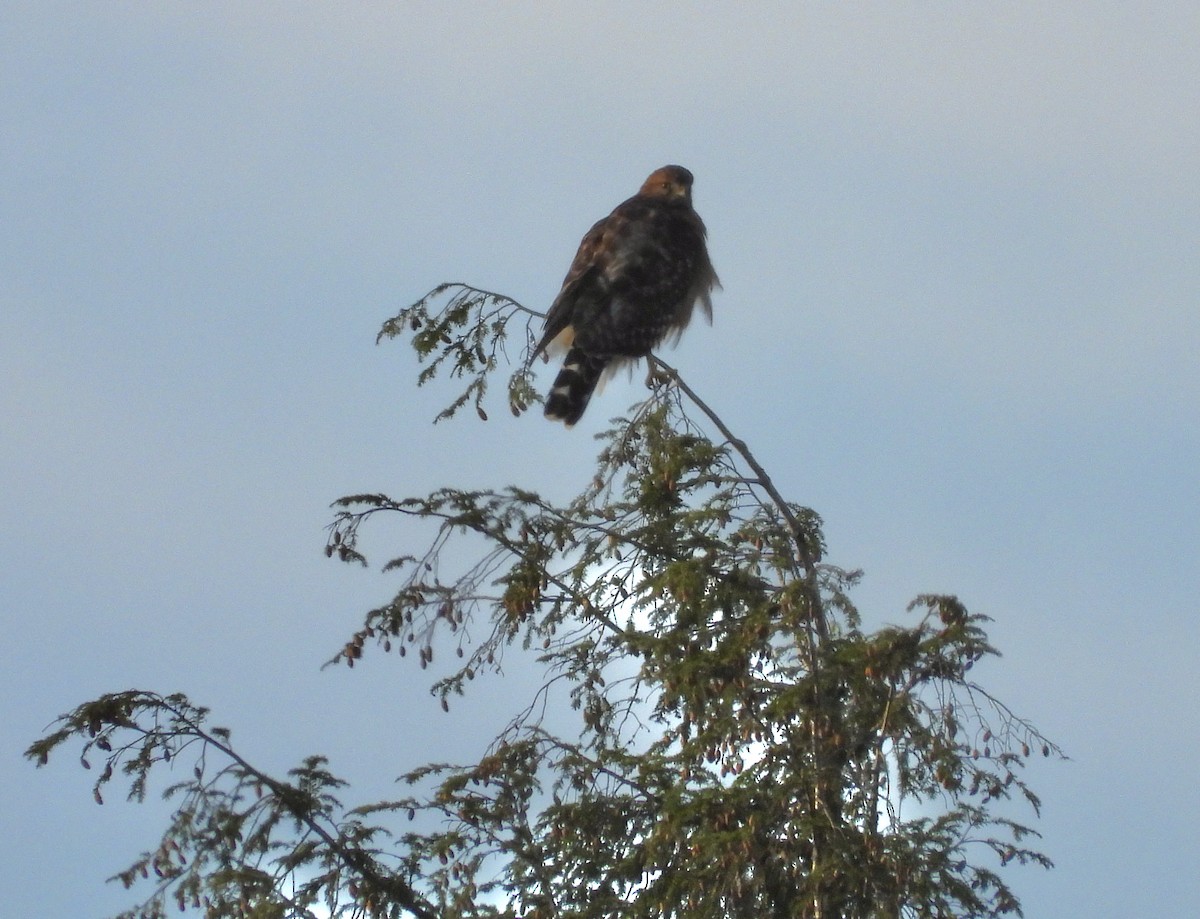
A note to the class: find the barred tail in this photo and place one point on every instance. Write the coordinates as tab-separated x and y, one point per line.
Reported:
573	386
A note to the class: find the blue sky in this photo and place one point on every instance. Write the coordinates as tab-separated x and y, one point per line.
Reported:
959	252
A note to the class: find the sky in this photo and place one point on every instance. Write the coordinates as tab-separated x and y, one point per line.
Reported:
958	245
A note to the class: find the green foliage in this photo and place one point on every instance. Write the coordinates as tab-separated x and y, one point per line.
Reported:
239	843
742	746
465	336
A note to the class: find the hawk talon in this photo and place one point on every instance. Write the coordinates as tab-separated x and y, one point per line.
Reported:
656	377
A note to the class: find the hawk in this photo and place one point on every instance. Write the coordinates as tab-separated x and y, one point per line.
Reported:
638	275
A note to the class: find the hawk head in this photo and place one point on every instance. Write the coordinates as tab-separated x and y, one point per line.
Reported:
673	182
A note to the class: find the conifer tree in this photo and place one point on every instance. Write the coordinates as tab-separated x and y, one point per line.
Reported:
738	744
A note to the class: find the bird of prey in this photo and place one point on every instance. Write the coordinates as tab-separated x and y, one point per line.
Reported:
635	282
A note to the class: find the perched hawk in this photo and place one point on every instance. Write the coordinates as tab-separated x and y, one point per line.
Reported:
634	282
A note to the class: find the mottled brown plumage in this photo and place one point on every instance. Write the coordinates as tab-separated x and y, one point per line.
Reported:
635	281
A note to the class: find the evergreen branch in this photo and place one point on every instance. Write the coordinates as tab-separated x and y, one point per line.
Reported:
762	478
799	534
295	801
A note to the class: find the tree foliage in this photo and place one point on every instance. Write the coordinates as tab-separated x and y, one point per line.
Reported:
740	745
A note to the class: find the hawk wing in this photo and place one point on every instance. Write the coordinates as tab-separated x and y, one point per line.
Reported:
583	280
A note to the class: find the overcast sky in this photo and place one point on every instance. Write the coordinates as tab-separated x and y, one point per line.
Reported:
960	247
